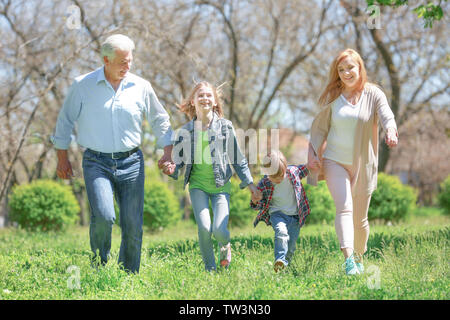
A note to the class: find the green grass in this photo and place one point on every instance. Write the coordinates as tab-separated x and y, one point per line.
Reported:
408	260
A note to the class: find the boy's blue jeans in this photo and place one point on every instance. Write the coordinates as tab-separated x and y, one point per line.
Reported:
124	179
220	204
287	230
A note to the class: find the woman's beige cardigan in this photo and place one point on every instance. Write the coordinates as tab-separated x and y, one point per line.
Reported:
365	151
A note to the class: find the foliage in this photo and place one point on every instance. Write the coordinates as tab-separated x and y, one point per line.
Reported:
240	212
444	195
43	205
38	266
161	207
321	203
429	12
253	105
392	200
427	212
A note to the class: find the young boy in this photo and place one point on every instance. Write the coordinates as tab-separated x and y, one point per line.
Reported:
284	204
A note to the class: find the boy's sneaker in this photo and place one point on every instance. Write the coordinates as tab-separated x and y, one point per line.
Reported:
279	265
225	255
350	266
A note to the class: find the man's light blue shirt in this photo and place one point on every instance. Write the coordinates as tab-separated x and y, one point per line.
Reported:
107	120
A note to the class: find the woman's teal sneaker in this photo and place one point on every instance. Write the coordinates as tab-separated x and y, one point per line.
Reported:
360	267
350	266
359	263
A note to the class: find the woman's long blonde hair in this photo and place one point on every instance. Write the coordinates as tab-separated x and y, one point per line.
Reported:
335	86
188	107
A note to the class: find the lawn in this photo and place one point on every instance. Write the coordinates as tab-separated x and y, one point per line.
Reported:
409	260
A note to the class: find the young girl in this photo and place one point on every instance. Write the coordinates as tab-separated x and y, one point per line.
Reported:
207	145
344	150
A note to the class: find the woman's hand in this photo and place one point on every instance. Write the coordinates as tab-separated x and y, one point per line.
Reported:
391	137
313	164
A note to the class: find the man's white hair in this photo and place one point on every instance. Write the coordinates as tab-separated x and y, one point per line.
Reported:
116	42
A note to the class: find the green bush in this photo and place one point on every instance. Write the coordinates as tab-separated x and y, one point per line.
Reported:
320	202
161	207
43	205
426	212
444	195
240	212
392	200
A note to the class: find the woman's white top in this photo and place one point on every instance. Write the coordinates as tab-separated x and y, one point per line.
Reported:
344	117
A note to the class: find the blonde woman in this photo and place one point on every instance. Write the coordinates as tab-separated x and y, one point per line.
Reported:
343	150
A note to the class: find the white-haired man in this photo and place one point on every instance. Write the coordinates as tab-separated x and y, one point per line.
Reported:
108	106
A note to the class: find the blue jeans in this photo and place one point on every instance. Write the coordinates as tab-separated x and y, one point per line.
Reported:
124	179
287	230
220	204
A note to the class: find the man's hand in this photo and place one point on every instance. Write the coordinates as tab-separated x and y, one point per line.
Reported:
63	168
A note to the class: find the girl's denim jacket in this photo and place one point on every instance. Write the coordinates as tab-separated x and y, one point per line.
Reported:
224	151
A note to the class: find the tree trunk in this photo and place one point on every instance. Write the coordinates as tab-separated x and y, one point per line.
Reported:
395	91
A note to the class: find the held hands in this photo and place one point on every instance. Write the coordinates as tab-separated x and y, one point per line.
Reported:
166	163
256	193
168	168
391	137
313	163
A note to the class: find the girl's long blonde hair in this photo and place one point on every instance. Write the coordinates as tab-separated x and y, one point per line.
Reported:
188	107
335	86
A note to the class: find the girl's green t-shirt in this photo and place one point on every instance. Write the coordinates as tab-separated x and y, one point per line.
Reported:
202	175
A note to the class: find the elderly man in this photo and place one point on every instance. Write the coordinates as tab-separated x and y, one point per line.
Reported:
108	105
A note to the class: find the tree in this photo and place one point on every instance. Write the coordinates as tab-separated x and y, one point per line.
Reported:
429	12
34	57
400	52
271	55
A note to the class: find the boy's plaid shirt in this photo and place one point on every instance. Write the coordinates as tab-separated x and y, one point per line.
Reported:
295	174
